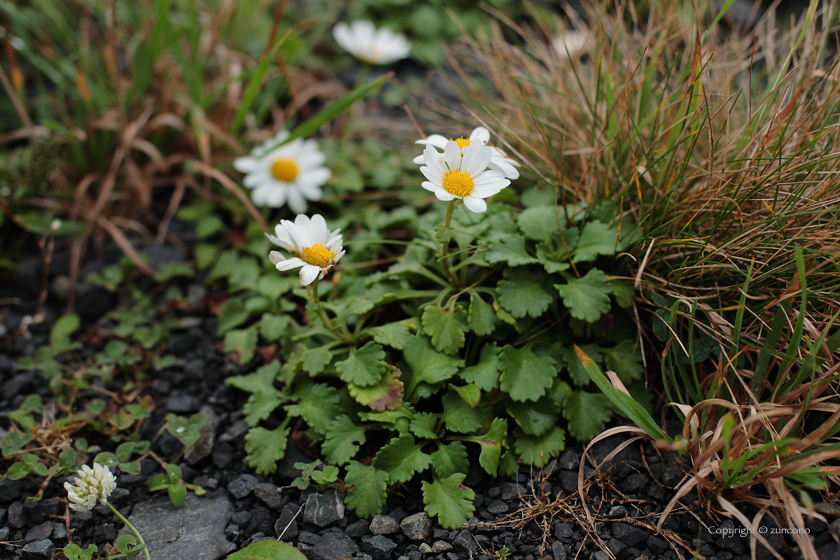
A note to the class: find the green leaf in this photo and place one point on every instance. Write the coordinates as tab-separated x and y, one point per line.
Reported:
482	318
623	293
587	414
265	448
597	238
243	342
125	542
460	416
401	458
538	450
485	373
491	446
232	315
395	335
259	381
386	395
447	499
521	293
75	552
447	328
17	471
318	405
124	451
260	406
367	489
470	393
427	365
343	439
525	376
132	467
625	360
63	328
177	494
424	425
510	250
587	298
268	549
315	360
450	459
534	418
540	222
272	327
364	367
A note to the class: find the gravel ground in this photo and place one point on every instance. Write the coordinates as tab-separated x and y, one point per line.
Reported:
533	515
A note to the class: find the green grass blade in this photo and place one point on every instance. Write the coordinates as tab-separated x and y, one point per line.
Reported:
255	84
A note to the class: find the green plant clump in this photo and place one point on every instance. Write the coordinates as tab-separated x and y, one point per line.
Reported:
462	348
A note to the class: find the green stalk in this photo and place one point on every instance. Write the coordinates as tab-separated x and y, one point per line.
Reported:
444	247
133	530
342	335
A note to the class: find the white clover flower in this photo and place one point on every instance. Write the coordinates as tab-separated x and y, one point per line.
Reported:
453	176
314	247
92	485
498	162
568	44
292	173
370	45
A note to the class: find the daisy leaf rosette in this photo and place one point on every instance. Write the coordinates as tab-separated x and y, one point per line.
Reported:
498	162
466	177
314	247
371	45
93	485
288	174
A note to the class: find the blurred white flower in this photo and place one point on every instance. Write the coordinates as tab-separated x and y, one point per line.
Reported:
498	161
92	485
568	44
314	247
453	176
371	45
290	174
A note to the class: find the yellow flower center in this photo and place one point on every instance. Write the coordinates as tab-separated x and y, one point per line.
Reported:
458	183
462	143
284	169
317	255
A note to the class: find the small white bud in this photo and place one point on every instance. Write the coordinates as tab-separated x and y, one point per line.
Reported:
92	485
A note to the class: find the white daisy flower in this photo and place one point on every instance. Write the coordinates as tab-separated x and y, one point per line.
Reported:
370	45
314	247
290	174
451	175
568	44
92	485
498	162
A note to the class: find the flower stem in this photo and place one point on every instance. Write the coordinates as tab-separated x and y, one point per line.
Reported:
444	247
133	530
312	289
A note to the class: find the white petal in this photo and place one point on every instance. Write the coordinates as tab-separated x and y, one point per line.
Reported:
476	158
419	160
435	140
318	231
289	264
296	201
432	159
247	164
452	153
344	37
265	194
317	176
431	175
430	186
504	165
475	204
338	255
257	178
480	134
444	195
308	274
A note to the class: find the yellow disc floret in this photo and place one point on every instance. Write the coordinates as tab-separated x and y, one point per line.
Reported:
462	143
317	255
458	183
284	169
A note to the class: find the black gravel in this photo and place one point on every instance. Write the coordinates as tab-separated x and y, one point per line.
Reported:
625	497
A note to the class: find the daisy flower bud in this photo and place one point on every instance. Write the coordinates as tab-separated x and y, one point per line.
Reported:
314	248
498	160
371	45
92	485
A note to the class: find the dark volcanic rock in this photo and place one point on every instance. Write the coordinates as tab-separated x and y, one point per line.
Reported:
268	494
196	530
286	526
333	545
39	550
324	509
242	485
416	527
628	534
383	525
379	547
